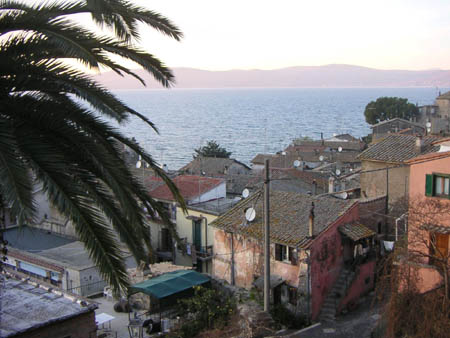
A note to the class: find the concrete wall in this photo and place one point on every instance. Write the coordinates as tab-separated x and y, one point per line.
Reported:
81	326
327	260
218	192
373	184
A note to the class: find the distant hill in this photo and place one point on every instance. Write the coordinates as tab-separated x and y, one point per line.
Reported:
319	76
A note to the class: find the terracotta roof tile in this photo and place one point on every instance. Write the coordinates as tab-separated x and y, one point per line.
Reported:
356	231
190	187
289	216
398	148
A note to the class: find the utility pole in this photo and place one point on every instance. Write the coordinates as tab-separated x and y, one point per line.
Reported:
266	239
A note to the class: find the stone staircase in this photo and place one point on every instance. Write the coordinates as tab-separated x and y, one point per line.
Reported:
334	297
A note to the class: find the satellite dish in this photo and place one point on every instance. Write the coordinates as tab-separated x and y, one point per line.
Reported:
320	158
147	165
338	172
283	153
342	195
245	193
138	164
297	163
339	149
428	125
139	157
250	214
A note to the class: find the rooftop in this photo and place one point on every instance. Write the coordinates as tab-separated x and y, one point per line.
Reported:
216	207
211	165
445	96
27	306
397	148
397	119
190	186
33	240
289	216
73	255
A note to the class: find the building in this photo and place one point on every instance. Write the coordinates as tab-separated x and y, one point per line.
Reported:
313	241
429	224
314	153
195	190
394	126
234	172
437	115
31	310
56	260
385	170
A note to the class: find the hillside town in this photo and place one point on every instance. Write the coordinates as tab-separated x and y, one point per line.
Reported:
309	230
317	201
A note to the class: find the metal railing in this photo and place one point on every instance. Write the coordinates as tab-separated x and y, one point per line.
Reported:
204	251
88	289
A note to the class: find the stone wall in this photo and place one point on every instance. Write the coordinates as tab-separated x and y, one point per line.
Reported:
81	326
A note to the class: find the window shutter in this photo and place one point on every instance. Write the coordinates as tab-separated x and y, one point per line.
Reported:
429	185
293	256
278	252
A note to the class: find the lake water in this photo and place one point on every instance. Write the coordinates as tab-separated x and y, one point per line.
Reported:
250	121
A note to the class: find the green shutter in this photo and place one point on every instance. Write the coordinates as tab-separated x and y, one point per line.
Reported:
429	185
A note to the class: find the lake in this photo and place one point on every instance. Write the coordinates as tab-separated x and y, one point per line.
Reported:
250	121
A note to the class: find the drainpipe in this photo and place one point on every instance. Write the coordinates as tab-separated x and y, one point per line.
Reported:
396	225
232	260
308	261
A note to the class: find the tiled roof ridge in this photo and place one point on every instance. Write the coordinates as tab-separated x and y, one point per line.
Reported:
394	119
255	195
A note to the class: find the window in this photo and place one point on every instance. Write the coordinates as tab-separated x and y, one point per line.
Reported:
437	185
292	295
285	254
441	244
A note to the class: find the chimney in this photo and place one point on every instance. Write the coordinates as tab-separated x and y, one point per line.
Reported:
331	185
314	187
311	221
419	144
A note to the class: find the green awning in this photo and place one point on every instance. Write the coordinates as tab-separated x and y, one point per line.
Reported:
169	283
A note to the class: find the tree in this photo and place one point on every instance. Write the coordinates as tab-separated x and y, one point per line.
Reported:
386	108
212	149
51	130
411	309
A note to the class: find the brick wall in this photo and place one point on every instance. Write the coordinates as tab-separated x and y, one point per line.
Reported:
82	326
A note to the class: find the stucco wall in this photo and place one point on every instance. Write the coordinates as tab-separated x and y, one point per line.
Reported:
429	278
373	184
327	260
444	107
184	226
363	283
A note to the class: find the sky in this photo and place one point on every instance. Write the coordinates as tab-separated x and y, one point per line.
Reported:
262	34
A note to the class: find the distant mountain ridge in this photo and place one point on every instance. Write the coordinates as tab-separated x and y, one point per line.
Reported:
328	76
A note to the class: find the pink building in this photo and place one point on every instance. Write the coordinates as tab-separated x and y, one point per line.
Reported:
320	255
429	220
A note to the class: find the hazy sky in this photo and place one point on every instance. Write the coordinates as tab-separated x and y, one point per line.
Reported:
248	34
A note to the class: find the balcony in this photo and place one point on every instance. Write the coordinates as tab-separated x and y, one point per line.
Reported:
204	253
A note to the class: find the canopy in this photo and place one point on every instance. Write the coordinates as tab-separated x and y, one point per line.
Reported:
169	283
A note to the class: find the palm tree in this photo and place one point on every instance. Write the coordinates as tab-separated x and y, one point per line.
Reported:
51	126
